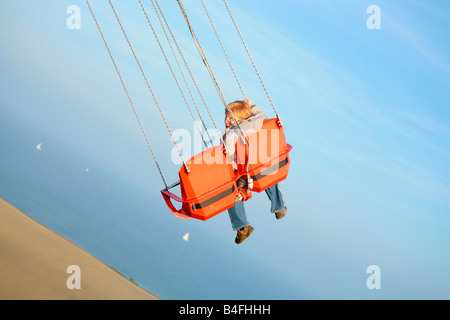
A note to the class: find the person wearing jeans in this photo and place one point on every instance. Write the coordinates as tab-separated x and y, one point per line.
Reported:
250	119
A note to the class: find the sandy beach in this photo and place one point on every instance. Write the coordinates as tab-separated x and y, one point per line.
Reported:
37	263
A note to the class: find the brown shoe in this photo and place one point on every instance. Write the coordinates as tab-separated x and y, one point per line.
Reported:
244	233
281	214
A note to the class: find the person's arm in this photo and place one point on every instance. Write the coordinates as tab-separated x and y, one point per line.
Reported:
230	138
257	112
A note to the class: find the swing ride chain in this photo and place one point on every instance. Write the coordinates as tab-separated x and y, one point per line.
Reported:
223	49
243	136
149	87
188	69
128	95
200	50
172	72
181	72
249	55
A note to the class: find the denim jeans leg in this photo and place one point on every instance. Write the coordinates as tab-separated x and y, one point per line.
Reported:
238	216
276	198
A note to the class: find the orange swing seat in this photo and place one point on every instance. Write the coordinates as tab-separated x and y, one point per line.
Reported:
210	184
207	189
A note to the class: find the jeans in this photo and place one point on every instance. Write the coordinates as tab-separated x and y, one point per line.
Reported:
237	213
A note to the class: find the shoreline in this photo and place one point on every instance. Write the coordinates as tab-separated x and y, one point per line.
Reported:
36	263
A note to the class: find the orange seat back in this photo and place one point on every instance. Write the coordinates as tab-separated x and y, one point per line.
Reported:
267	158
210	185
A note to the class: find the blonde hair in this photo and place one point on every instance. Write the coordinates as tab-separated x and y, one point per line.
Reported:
241	110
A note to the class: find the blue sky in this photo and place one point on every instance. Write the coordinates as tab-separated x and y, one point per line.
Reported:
367	112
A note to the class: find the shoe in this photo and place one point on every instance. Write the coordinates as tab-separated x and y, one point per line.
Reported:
280	214
244	233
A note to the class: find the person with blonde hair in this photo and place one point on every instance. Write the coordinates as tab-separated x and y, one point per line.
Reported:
250	119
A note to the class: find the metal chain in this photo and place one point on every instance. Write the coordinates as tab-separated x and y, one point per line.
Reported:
149	87
205	61
181	71
189	70
173	74
128	95
249	55
223	50
202	54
